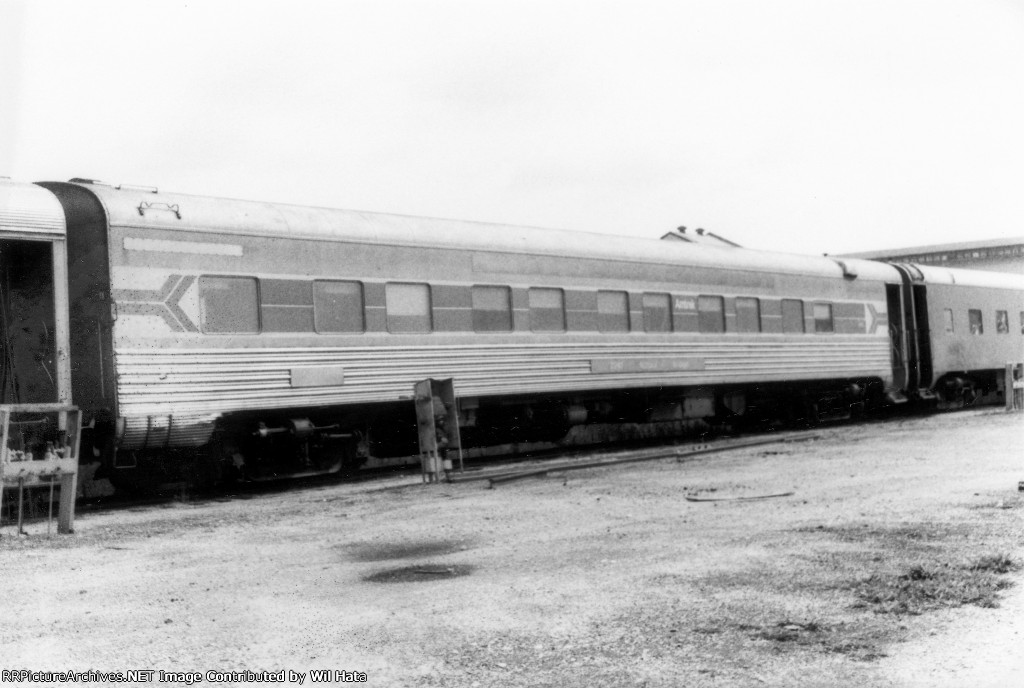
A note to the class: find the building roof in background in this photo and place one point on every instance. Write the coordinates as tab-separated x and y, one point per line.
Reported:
994	255
965	247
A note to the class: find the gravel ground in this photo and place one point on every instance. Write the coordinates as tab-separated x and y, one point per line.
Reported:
603	577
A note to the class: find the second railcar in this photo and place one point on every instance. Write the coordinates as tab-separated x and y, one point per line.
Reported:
970	324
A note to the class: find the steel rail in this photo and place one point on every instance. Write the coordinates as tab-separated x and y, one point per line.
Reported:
633	457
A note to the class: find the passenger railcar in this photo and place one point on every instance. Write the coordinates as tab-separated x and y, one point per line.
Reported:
972	324
264	329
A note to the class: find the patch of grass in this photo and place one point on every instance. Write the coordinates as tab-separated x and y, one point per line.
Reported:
895	537
887	571
927	586
996	563
838	639
707	630
860	651
1010	502
791	631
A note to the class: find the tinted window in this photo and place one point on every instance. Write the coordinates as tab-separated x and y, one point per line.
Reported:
974	318
408	307
612	311
286	306
657	313
1002	322
492	309
711	314
748	314
792	315
823	318
338	306
228	304
547	310
948	319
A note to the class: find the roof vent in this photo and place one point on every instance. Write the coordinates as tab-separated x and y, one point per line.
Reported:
702	237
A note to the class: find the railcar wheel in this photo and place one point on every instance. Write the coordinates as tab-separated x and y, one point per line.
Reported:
352	458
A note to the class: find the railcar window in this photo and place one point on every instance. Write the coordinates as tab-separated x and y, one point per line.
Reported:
823	318
748	314
228	305
547	310
1002	322
974	318
711	314
613	311
792	316
338	306
1022	322
657	313
948	314
492	309
286	305
408	307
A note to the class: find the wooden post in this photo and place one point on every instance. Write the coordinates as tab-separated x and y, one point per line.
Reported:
43	469
68	492
430	463
437	419
1009	393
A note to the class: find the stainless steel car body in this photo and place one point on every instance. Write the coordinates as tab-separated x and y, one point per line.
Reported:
171	381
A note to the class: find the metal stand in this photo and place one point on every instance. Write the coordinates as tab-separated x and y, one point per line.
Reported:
52	462
437	419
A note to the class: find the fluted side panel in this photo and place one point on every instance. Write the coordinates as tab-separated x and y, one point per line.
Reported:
189	388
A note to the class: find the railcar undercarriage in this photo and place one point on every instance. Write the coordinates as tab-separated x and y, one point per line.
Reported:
265	446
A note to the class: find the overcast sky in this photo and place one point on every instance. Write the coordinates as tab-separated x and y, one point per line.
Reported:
805	126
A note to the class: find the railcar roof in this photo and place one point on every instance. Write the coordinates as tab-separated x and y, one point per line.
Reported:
229	216
971	278
28	209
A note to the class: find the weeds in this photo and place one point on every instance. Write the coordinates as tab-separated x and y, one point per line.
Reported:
816	636
927	586
996	563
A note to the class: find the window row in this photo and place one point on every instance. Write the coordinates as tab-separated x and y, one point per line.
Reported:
976	321
236	305
247	305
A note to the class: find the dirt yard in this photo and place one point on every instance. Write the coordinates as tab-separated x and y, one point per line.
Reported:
894	563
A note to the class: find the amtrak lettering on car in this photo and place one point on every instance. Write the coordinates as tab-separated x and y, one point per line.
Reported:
645	365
